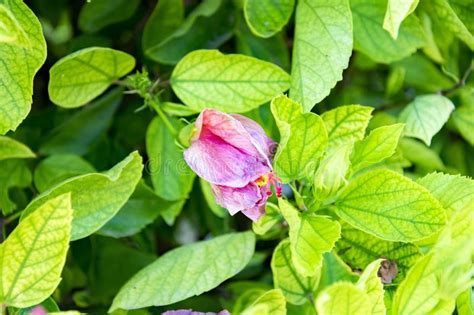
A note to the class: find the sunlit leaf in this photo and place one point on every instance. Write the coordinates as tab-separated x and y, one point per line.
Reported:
267	17
21	58
346	124
373	40
397	11
187	271
303	139
319	57
231	83
425	116
296	288
390	206
12	149
95	197
33	256
343	298
85	74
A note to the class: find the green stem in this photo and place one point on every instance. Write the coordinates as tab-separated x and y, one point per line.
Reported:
163	117
13	217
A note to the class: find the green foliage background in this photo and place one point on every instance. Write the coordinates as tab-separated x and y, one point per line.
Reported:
371	101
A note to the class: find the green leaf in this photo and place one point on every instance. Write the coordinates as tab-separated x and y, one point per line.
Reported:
343	298
443	11
335	270
371	284
268	221
464	304
371	39
331	172
434	282
57	168
73	136
390	206
41	240
12	149
96	197
359	249
270	303
175	109
296	288
463	118
423	74
454	192
143	207
421	155
463	10
311	236
171	177
346	124
397	11
197	32
13	173
85	74
319	57
376	147
21	58
186	271
208	78
425	116
97	14
303	139
273	49
166	18
267	17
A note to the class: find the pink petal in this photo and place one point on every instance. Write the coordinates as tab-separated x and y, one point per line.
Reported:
224	153
237	199
265	144
250	200
254	213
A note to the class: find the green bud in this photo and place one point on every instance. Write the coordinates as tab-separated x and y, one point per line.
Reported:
331	174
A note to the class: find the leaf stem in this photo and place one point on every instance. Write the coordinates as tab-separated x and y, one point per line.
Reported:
459	84
163	117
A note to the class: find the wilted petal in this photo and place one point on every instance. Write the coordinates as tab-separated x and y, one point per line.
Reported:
224	153
254	213
249	199
258	134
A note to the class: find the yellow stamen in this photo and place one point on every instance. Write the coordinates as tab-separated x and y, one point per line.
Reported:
262	180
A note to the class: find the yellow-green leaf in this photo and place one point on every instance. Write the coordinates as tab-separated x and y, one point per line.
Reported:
373	40
390	206
270	303
33	256
22	54
376	147
83	75
372	285
397	11
303	139
267	17
433	283
346	124
96	197
296	288
311	236
322	47
343	298
359	249
12	149
425	116
187	271
230	83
